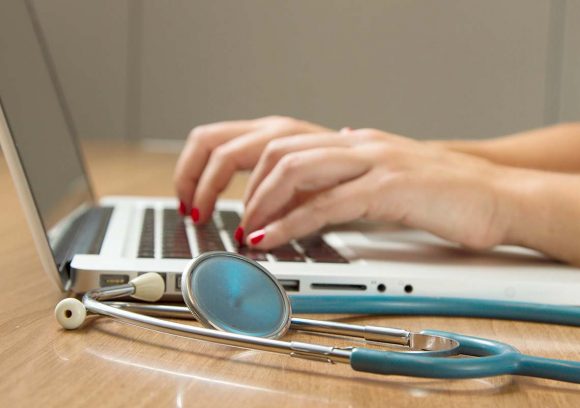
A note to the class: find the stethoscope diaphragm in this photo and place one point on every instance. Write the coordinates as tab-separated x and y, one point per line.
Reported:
235	294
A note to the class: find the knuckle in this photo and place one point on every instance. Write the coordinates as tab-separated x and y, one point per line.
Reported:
200	134
286	228
369	131
182	187
284	122
274	118
371	135
318	213
392	157
320	203
275	149
221	153
290	163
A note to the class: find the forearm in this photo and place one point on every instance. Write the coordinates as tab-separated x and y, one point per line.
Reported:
555	148
545	213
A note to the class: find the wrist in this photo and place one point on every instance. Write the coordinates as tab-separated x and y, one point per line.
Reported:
478	148
543	212
522	194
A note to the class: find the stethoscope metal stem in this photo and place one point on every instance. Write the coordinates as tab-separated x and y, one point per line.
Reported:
416	342
294	349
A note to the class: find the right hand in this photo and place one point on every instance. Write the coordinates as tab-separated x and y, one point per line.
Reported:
378	176
214	152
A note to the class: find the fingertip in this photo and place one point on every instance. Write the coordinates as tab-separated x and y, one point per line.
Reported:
194	213
239	235
184	193
256	237
205	208
182	208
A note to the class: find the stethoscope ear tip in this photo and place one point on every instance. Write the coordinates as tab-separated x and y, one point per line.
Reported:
70	313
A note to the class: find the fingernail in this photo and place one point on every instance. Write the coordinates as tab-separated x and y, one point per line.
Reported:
239	235
256	236
346	129
195	215
182	209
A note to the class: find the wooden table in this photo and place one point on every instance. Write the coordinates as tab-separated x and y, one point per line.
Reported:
111	364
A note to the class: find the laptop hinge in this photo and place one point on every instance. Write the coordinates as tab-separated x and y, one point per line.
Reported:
84	236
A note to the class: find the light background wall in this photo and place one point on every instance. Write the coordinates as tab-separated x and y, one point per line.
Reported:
146	69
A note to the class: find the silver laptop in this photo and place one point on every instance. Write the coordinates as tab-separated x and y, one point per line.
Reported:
84	243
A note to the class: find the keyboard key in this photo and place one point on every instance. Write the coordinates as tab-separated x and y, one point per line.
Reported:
175	241
230	220
255	254
147	242
287	253
318	250
208	237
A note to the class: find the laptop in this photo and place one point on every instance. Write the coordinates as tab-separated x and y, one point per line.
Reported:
85	242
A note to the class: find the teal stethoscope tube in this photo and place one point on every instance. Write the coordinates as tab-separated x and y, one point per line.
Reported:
492	358
437	306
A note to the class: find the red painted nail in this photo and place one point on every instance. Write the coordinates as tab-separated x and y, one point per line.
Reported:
195	215
239	235
182	209
256	236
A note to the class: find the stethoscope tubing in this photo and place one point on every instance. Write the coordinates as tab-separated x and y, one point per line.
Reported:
496	358
438	306
493	359
487	357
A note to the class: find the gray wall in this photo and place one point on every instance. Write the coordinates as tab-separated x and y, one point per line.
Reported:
428	69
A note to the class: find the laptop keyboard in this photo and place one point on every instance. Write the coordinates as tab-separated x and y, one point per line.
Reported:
176	244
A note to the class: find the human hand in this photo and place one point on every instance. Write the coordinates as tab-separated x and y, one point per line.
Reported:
214	152
373	175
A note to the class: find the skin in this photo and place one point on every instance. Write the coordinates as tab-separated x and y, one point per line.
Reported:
214	152
521	190
554	148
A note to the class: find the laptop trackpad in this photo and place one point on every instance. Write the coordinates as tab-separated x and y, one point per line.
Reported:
393	243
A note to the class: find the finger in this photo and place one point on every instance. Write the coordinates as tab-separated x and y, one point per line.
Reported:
278	148
200	143
343	203
238	154
309	170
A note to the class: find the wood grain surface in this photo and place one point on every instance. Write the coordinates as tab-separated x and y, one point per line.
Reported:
107	363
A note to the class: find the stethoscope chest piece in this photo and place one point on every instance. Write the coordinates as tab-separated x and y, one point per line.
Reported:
231	293
248	308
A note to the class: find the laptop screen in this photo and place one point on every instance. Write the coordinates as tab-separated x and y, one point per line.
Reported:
36	115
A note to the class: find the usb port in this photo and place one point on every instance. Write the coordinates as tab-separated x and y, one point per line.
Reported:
162	274
112	280
290	285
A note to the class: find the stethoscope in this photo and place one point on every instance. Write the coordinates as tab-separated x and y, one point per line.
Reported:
241	304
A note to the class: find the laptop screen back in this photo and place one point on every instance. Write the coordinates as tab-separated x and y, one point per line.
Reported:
36	117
